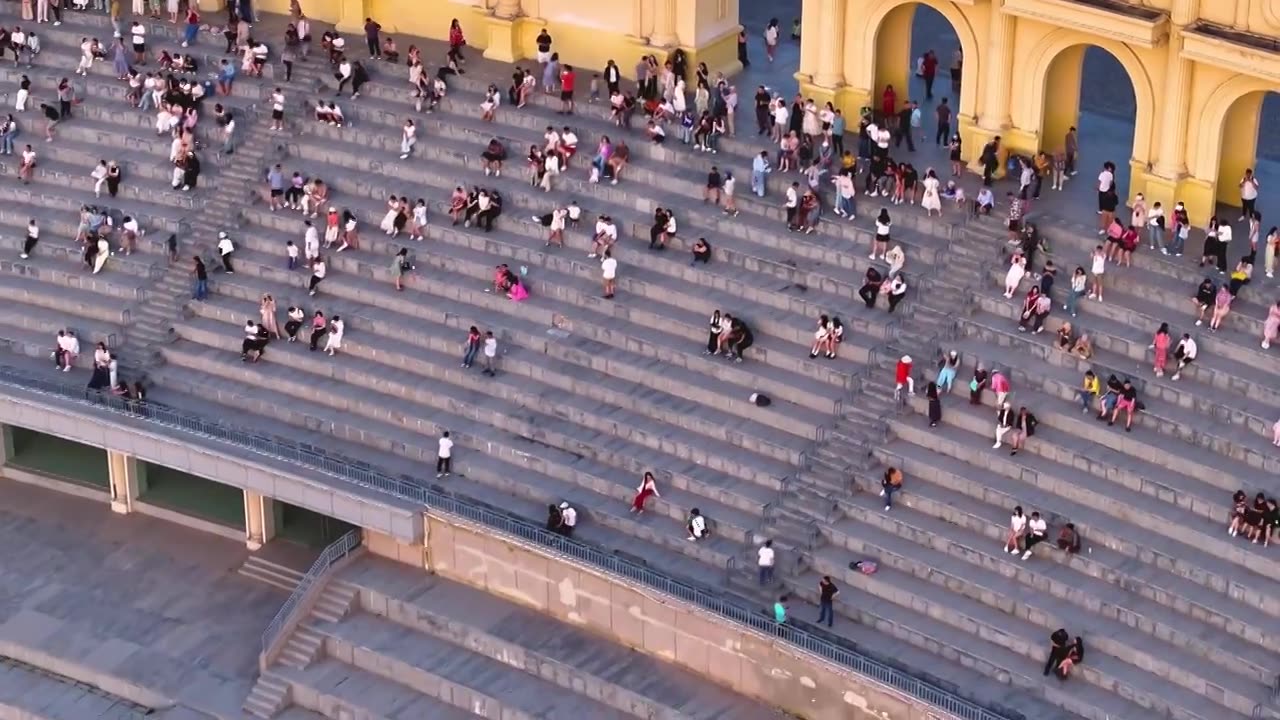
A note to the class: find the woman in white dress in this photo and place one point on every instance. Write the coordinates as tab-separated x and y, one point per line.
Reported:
419	221
679	100
1017	268
104	252
334	342
810	124
388	224
931	201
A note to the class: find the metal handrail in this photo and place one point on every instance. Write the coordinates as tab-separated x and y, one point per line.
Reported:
337	550
15	381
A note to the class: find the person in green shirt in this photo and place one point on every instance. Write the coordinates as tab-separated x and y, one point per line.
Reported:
399	266
780	610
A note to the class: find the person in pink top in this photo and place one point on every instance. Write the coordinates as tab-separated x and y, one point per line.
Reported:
1271	328
1160	344
1000	386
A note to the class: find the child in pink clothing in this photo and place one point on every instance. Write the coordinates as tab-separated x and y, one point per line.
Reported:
1160	344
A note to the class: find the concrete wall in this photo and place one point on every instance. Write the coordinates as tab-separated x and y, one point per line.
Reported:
221	463
749	662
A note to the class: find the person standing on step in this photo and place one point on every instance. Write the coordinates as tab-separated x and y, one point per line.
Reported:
337	328
138	35
490	354
371	39
318	271
827	592
408	138
471	346
609	273
201	275
444	454
33	237
225	250
277	110
764	561
568	519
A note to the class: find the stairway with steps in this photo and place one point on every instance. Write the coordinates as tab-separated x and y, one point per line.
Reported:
274	574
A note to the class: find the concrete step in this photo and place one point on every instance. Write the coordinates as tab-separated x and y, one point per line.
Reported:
267	698
1057	441
521	478
425	665
403	600
270	573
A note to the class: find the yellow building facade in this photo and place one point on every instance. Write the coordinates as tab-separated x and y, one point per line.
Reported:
1199	69
586	33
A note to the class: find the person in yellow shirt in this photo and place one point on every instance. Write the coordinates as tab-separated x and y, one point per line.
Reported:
1089	389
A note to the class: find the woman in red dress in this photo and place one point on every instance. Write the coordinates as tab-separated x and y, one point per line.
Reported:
889	105
648	488
456	40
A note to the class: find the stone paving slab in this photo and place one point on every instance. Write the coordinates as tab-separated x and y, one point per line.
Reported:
113	597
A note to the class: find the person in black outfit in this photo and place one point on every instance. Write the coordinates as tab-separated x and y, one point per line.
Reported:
990	158
740	338
763	120
1058	646
903	130
870	289
554	519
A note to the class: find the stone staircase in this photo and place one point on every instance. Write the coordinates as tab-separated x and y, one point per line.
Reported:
270	573
592	393
415	645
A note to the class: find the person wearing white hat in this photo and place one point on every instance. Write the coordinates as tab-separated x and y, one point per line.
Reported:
568	519
902	377
225	249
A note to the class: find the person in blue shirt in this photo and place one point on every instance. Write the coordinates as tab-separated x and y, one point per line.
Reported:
226	77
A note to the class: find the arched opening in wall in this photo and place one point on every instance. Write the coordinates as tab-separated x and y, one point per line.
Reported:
1250	141
1088	88
919	58
778	75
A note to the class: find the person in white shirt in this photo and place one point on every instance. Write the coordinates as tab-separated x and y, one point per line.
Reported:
311	243
697	526
606	235
1185	353
277	110
67	350
1248	194
33	237
408	138
764	561
792	205
444	455
609	273
130	231
568	145
551	168
575	213
490	354
1017	528
781	115
568	519
1037	529
225	249
318	271
138	35
333	343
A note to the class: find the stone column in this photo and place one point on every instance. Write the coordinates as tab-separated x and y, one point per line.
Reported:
127	476
351	15
507	9
994	114
1170	159
664	24
259	519
6	444
830	71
